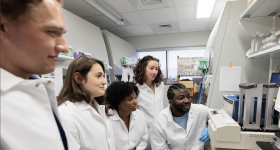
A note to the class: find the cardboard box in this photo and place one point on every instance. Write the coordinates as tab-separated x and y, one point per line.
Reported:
193	88
189	85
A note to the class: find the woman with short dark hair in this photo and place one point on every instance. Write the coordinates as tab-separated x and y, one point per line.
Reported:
81	106
128	122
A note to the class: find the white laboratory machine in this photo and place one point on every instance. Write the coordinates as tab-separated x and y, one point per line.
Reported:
228	133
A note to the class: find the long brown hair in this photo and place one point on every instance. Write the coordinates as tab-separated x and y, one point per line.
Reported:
140	70
71	90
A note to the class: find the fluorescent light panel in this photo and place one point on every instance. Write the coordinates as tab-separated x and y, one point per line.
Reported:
205	8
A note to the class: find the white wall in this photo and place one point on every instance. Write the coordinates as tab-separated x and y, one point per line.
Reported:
84	37
231	44
169	40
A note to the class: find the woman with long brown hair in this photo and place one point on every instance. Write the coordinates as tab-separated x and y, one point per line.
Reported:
81	106
148	76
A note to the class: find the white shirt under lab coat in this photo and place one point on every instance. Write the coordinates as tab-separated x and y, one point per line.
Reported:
27	120
136	137
85	128
166	134
150	103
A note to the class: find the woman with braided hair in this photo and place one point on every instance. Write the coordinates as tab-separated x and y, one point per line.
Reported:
181	125
148	76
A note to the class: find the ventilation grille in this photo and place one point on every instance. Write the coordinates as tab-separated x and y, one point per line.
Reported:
151	2
165	26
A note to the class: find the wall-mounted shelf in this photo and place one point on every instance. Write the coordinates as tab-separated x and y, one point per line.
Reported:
273	52
61	57
259	8
259	16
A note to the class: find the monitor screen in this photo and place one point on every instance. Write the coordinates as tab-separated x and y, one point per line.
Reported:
275	78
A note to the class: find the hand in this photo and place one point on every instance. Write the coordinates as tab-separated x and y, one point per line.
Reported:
204	136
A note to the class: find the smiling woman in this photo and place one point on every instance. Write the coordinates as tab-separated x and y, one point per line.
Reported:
81	106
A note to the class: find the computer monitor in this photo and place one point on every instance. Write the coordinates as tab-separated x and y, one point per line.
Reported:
275	78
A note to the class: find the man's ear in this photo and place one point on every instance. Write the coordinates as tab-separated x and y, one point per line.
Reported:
78	78
3	28
170	101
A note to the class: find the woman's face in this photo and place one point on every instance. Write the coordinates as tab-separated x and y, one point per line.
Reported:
129	103
95	82
151	71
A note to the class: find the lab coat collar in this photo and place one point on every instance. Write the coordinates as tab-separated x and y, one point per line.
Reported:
132	119
83	105
190	120
170	118
168	113
144	85
8	80
117	117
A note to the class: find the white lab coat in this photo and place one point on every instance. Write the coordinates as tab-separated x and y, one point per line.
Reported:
137	137
27	120
166	134
85	128
150	103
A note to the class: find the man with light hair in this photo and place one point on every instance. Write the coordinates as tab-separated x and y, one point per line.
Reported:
31	39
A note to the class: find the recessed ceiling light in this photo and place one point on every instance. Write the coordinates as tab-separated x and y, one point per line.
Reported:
205	8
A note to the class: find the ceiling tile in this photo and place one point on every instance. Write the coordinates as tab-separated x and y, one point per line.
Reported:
159	15
212	22
140	34
174	25
194	24
133	18
183	2
185	12
218	9
101	21
118	31
80	8
122	5
194	30
167	32
138	29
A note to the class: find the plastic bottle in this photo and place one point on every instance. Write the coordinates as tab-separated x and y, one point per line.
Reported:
259	42
277	34
272	41
265	47
252	46
256	41
263	44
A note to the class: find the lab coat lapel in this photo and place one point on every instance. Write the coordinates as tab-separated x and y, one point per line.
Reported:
190	121
132	120
170	118
49	85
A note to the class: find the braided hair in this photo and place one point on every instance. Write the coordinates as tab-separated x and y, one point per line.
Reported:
176	86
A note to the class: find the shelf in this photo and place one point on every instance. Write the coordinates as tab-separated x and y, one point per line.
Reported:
269	53
61	57
259	16
261	8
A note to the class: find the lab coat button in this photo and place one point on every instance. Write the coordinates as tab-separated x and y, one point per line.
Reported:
37	85
48	82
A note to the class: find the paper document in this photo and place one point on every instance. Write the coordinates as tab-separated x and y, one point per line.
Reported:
230	78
